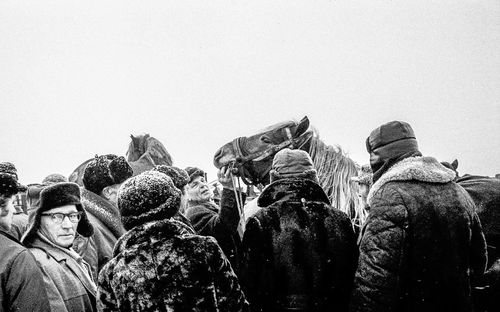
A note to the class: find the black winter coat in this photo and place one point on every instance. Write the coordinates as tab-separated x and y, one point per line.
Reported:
299	252
421	243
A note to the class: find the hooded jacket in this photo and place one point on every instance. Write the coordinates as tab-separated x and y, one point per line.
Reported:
421	244
299	253
164	266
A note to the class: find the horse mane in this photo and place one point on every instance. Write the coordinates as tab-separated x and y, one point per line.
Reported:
335	169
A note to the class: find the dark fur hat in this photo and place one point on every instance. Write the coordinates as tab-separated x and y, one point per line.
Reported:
194	172
179	176
149	196
9	185
105	170
53	196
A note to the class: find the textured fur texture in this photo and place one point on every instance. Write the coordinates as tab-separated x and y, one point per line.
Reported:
299	252
162	266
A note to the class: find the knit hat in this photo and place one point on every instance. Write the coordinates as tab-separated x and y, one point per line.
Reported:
390	143
289	163
54	196
365	176
54	178
179	176
194	172
9	185
149	196
105	170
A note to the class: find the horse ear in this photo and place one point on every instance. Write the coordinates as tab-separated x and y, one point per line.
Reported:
303	126
135	140
454	164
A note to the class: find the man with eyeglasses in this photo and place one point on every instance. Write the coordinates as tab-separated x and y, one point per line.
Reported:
52	230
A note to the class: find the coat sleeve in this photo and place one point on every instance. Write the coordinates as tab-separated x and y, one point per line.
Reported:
230	297
106	300
25	285
381	254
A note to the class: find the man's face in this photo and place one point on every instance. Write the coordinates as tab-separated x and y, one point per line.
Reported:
198	190
60	233
111	193
6	213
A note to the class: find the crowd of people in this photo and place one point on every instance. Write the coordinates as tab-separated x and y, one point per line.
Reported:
159	241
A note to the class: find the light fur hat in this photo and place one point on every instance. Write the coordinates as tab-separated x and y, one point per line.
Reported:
289	163
365	176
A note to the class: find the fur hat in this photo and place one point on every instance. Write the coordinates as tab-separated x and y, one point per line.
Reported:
194	172
54	178
388	133
53	196
149	196
105	170
289	163
365	176
9	185
179	176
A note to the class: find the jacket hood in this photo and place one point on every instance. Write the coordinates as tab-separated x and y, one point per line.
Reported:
424	169
292	189
151	232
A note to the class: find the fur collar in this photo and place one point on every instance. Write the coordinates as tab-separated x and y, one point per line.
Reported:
424	169
103	210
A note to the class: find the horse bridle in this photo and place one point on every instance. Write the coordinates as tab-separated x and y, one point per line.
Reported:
237	167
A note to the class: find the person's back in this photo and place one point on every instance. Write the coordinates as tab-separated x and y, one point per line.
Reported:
422	242
299	252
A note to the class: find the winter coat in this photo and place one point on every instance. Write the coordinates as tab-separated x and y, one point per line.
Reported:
164	266
222	224
299	253
97	249
422	242
21	281
67	277
19	224
485	192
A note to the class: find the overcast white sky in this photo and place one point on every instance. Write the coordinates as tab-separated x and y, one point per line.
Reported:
78	77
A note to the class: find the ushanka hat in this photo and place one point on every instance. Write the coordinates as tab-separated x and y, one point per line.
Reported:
54	196
105	170
179	176
195	172
289	163
9	184
54	178
149	196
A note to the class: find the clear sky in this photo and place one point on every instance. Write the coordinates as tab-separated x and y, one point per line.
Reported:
78	77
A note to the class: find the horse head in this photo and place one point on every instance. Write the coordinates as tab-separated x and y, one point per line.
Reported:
145	152
251	157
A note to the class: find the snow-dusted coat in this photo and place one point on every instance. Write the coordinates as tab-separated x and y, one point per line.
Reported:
421	243
97	249
299	253
164	266
21	281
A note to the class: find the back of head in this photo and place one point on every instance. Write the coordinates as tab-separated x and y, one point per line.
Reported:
390	143
149	196
289	163
9	184
106	170
179	176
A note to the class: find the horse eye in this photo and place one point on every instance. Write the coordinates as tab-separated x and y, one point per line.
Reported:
265	139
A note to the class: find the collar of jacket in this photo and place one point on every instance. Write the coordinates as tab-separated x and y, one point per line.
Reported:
151	231
423	169
103	210
70	258
10	236
292	189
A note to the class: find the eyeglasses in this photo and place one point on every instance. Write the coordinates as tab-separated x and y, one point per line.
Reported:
58	217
